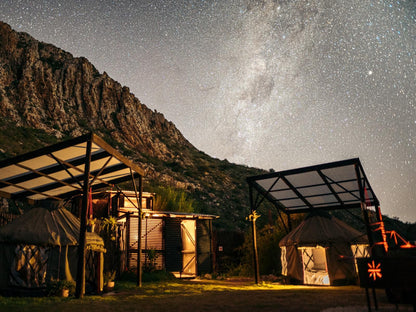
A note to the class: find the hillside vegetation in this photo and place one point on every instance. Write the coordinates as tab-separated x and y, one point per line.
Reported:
47	95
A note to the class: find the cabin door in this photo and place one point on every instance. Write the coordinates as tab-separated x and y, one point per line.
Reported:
188	234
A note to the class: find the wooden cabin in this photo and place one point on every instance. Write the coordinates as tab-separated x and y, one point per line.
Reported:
178	242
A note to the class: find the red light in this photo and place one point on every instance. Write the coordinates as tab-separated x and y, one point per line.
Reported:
396	236
374	270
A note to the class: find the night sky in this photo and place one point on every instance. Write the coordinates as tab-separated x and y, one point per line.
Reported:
269	84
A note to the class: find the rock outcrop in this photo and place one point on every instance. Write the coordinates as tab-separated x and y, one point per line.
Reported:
41	86
44	87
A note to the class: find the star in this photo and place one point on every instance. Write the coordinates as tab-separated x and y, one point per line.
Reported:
261	83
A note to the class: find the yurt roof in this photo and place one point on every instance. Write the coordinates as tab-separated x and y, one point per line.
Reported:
47	227
322	229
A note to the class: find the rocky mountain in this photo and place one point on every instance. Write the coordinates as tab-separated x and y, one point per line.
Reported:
47	95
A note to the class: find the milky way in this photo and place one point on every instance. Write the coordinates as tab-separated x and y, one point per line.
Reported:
270	84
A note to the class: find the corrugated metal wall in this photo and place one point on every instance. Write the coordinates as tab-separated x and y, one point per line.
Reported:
152	238
166	237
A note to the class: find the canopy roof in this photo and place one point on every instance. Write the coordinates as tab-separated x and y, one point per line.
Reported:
322	229
58	171
336	185
47	227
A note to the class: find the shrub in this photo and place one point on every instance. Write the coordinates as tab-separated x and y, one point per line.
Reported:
155	276
170	199
55	287
268	237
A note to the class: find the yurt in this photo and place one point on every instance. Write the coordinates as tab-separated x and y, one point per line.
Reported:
322	251
42	246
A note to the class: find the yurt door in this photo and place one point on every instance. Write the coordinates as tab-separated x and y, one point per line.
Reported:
315	269
188	233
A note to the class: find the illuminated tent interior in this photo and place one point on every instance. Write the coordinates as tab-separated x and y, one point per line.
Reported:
311	190
321	251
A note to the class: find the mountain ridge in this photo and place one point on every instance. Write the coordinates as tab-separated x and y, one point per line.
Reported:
60	96
47	95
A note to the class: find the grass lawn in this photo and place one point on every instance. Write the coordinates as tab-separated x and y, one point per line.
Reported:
203	295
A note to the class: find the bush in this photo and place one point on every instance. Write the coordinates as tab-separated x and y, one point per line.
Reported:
268	238
154	276
55	287
170	199
268	253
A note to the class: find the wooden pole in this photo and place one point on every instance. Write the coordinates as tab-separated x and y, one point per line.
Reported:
253	217
139	200
128	227
139	262
256	256
80	286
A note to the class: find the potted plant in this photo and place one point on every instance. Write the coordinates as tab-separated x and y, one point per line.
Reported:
61	288
109	278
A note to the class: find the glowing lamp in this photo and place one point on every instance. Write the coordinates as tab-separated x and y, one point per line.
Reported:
374	270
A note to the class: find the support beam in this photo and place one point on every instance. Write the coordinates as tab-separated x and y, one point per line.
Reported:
139	264
139	226
325	179
283	222
298	194
80	286
364	206
258	203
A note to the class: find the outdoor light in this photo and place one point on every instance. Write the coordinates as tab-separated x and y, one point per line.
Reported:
374	270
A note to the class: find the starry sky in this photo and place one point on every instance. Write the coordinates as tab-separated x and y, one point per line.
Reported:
265	83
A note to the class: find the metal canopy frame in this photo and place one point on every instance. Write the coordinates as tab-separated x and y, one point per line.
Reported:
330	186
70	168
336	185
57	171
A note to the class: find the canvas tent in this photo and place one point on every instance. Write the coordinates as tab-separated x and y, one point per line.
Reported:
42	245
338	185
321	251
70	168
